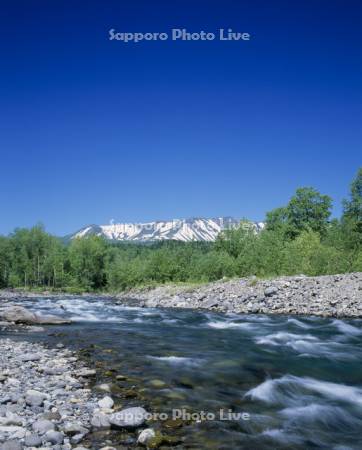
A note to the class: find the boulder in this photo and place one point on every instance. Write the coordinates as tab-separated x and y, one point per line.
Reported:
51	320
19	314
129	418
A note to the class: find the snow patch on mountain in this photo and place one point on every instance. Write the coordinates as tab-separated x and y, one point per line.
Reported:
186	230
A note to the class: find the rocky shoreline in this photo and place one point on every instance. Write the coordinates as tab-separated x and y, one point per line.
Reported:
46	402
326	296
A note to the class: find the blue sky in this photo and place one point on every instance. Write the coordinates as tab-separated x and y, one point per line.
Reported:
94	130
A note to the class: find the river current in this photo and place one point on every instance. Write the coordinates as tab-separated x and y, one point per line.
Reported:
264	382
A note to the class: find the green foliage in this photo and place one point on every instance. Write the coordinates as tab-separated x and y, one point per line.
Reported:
88	262
298	238
306	210
212	266
352	216
353	207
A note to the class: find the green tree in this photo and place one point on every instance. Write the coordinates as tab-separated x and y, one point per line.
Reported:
352	217
352	208
88	262
5	262
276	219
306	210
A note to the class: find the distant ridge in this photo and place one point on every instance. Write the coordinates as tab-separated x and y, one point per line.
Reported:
185	230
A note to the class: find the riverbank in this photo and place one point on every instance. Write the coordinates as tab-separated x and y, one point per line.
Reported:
46	401
326	296
44	396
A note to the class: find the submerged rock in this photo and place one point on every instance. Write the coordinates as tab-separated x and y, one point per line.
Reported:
145	436
158	384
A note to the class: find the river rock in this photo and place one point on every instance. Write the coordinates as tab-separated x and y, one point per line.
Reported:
129	418
42	426
30	357
54	437
33	440
145	436
86	373
35	398
106	403
100	420
11	419
73	428
211	303
11	445
158	384
51	320
19	314
103	387
270	291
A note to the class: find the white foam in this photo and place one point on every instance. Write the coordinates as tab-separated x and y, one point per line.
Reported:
281	435
346	328
308	346
284	338
290	390
177	360
327	415
226	325
298	323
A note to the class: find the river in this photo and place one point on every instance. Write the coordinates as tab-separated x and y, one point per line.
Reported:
291	382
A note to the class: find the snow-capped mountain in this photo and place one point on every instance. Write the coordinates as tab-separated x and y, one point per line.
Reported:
195	229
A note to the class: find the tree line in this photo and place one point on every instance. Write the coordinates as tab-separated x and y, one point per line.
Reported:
299	237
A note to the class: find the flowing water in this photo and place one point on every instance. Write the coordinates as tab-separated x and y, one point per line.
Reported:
299	380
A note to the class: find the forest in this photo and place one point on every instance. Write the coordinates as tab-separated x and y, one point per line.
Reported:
298	238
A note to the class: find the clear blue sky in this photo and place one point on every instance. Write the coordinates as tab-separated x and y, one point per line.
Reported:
93	130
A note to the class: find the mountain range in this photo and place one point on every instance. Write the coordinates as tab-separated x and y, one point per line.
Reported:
186	230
